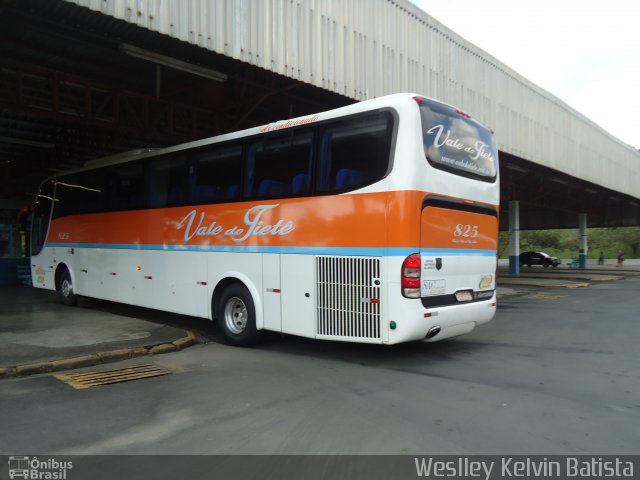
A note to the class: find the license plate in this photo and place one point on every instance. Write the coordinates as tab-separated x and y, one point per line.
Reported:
464	296
433	287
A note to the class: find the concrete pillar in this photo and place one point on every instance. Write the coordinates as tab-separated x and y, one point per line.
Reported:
584	249
514	237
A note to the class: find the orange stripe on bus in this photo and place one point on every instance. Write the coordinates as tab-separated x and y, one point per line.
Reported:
384	219
446	228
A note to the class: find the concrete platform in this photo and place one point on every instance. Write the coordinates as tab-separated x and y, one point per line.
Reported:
39	334
630	268
564	274
524	281
504	292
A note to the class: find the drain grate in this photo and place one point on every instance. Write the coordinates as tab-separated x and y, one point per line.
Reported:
107	377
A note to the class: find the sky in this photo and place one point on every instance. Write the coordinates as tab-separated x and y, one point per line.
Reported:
587	53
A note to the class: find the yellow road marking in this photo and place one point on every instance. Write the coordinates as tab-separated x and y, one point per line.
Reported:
545	296
106	377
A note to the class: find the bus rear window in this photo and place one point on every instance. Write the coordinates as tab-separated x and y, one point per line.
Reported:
456	143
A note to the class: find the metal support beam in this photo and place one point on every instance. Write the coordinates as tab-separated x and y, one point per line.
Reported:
514	237
46	93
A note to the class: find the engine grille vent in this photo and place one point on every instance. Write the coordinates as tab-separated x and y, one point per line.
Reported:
348	298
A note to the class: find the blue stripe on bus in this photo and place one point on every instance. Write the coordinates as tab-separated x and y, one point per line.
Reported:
455	252
375	252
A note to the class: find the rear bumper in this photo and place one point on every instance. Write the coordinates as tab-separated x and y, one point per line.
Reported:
415	321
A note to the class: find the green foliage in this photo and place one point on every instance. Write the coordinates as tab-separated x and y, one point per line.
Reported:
565	243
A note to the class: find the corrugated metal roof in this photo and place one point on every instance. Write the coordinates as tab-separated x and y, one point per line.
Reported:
367	48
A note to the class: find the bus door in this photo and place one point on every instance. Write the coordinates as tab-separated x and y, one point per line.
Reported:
41	265
458	249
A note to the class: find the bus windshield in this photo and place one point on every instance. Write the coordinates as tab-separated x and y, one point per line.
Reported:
456	143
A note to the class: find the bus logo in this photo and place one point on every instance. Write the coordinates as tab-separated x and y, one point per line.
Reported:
18	467
485	281
195	226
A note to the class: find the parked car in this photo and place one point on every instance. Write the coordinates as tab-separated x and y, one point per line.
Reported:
538	258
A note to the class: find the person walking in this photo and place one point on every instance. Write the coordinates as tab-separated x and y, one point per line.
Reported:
620	258
601	259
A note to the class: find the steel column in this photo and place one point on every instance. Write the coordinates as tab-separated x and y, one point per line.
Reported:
514	237
582	222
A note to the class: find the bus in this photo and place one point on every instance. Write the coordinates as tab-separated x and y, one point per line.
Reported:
375	222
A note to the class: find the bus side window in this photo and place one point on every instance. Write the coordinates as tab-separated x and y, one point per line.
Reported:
279	166
80	193
167	180
92	191
217	173
347	177
301	184
354	152
126	190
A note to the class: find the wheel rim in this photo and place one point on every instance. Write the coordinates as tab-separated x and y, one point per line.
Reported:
235	315
66	288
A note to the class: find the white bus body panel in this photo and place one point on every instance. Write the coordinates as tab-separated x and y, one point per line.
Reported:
298	295
272	291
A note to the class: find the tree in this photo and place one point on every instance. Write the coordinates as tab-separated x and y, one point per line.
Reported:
540	239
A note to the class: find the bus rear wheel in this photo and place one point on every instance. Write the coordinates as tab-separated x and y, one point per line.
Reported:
237	316
65	289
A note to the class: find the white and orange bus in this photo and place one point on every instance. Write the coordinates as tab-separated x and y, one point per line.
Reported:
376	222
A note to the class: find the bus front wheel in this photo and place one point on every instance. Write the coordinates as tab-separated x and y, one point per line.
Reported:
65	289
237	316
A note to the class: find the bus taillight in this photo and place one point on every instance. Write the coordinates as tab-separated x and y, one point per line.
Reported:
410	276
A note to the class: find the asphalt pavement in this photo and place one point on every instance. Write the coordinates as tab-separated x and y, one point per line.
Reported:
38	334
555	372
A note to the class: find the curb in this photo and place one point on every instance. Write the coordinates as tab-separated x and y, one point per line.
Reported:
97	358
504	296
560	277
567	284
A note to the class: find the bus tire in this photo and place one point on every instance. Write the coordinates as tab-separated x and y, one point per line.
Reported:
65	289
237	316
